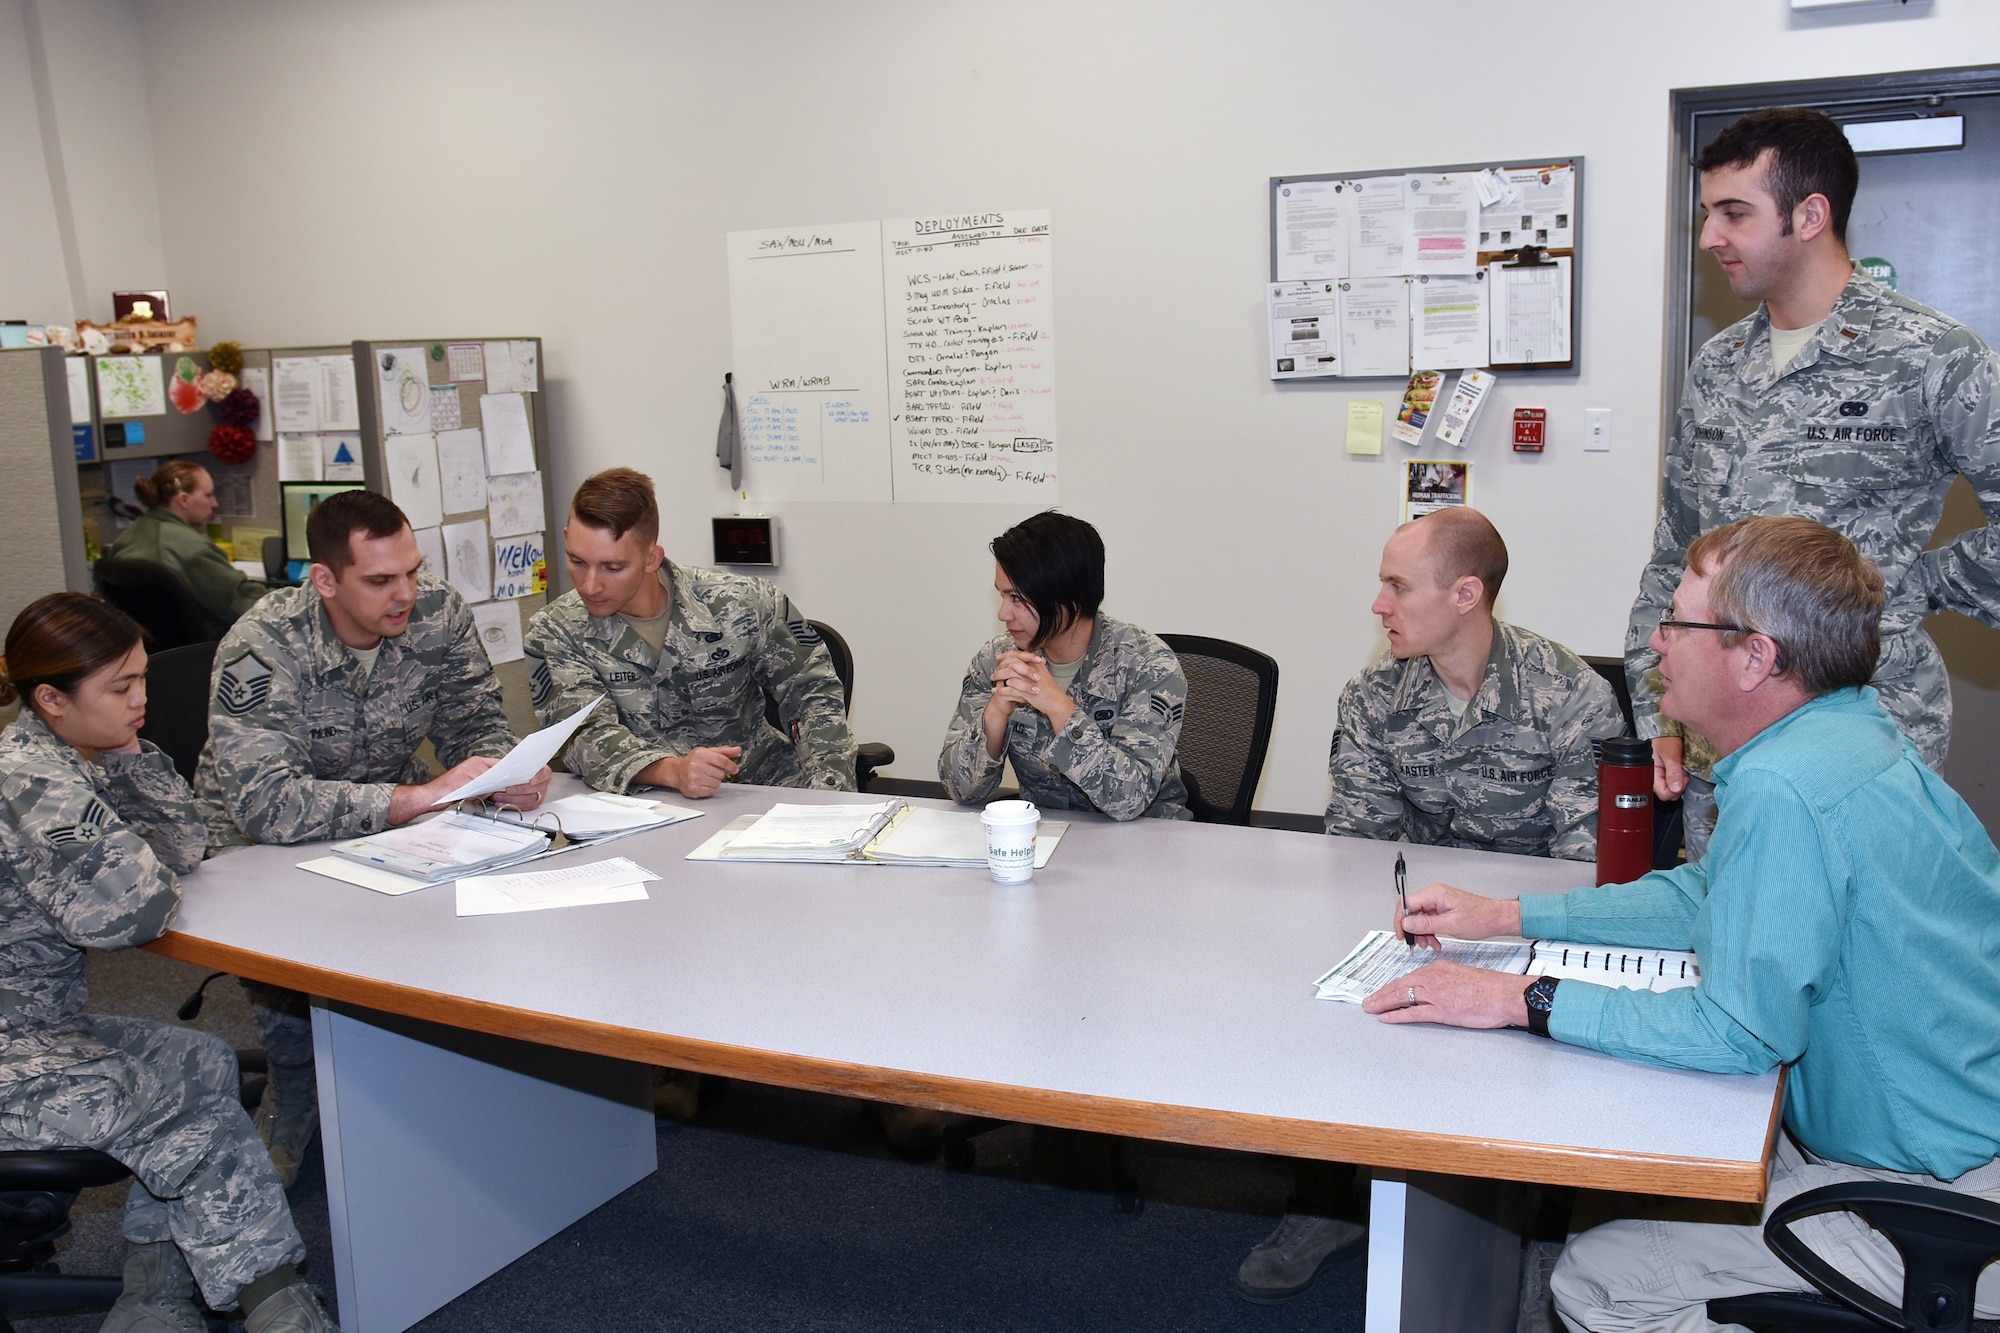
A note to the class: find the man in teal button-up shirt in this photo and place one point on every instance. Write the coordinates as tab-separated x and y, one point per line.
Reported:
1847	919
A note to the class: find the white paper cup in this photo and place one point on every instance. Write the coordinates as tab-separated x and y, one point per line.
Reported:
1010	840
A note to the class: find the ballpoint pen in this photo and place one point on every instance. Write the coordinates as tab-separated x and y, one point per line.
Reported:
1403	894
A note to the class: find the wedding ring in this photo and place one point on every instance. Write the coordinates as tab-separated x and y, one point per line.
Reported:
1413	994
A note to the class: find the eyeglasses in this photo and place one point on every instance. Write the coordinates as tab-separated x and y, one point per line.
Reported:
1667	624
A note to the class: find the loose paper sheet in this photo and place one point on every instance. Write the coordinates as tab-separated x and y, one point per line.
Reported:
1448	322
431	542
462	466
1375	327
514	503
1304	319
295	406
466	560
412	464
1441	225
520	764
343	457
444	408
406	390
77	368
339	405
520	566
465	363
1375	249
511	368
131	386
1312	226
499	631
615	881
258	381
301	458
510	447
1540	209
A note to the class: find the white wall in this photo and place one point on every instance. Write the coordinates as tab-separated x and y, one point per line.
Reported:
377	169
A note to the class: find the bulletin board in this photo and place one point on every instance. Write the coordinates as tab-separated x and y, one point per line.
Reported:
1469	266
455	431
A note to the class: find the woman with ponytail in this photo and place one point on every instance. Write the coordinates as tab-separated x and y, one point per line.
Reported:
180	500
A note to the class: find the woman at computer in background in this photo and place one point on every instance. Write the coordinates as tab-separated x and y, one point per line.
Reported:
1088	708
94	824
180	500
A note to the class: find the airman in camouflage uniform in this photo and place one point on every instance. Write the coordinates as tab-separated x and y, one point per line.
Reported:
1516	773
1864	432
306	743
729	639
1116	752
88	857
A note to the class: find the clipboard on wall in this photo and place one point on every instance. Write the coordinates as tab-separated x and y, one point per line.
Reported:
1530	298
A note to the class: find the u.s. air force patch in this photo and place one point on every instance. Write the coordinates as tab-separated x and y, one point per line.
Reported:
539	684
1169	712
96	816
243	685
802	630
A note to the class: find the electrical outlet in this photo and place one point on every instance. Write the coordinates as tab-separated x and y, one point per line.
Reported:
1597	430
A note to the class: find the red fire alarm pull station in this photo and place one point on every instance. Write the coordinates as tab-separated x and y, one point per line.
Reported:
1530	423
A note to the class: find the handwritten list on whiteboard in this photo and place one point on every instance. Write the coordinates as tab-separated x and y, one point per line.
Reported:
971	357
812	389
911	360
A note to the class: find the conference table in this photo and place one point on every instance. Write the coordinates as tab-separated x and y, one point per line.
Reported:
485	1081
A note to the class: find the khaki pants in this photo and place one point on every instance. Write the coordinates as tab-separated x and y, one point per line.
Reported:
1653	1275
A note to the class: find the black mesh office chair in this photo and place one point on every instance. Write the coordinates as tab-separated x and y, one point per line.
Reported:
177	703
1232	696
1946	1240
871	755
156	596
37	1188
1667	819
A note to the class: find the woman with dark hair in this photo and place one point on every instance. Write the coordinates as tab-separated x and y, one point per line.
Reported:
180	500
1088	708
94	825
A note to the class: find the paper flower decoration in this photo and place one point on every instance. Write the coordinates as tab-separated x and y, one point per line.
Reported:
226	357
216	385
232	444
238	408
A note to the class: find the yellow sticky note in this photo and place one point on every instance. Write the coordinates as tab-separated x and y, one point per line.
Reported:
1364	428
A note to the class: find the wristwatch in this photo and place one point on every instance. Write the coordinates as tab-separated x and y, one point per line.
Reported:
1541	997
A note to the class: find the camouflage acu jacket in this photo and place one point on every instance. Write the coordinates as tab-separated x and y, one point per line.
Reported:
1116	752
1863	432
87	860
304	744
1516	773
730	639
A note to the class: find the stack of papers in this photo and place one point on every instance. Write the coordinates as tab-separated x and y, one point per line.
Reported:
618	880
597	816
444	847
812	832
1382	957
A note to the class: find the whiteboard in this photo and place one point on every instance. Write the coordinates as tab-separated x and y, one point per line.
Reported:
805	311
972	357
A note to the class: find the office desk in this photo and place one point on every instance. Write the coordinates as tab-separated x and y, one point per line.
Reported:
1154	981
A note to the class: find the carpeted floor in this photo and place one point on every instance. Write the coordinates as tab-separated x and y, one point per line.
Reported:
784	1210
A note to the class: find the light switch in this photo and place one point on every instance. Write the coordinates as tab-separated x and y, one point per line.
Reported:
1597	430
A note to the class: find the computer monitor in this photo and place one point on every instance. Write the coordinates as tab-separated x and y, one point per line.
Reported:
298	498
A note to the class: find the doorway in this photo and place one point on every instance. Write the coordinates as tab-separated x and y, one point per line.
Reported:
1930	216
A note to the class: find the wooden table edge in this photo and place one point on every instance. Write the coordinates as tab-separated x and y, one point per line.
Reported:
1408	1150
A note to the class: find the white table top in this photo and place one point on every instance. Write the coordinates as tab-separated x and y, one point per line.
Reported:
1155	979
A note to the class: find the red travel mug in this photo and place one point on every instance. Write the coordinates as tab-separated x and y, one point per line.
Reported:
1624	810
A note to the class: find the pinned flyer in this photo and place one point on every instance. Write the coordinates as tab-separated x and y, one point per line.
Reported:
1463	409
